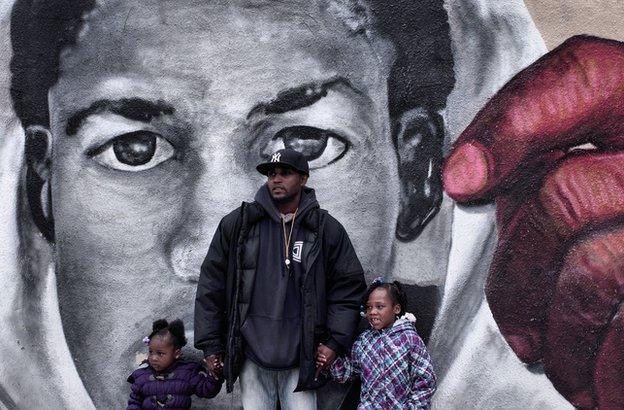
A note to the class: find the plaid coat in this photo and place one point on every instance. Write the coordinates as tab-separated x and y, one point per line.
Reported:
394	366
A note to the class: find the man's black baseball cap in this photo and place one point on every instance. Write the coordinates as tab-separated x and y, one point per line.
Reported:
285	158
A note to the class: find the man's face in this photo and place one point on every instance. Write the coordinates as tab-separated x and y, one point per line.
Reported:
157	126
284	184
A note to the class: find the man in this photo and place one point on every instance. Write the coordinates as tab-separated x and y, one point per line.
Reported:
280	278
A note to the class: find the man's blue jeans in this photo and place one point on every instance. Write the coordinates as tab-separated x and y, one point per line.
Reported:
261	388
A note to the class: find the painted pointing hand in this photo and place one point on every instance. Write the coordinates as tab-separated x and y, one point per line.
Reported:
556	284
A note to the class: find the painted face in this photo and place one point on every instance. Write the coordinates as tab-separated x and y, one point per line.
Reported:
162	353
284	184
160	115
381	311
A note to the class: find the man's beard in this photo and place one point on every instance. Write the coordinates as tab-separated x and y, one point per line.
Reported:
284	199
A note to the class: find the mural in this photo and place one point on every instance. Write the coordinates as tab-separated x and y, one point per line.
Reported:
131	127
558	249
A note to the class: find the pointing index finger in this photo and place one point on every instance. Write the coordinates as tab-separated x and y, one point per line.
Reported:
568	97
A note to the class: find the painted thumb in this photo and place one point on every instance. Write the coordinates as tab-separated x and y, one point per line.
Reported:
466	172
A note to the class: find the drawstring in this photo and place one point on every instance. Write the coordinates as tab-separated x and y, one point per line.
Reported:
288	238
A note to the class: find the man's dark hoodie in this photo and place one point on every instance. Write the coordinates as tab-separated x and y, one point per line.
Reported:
272	328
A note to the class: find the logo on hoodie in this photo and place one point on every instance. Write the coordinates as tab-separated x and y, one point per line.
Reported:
297	249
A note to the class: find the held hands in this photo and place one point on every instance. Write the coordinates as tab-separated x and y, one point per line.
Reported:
556	284
214	365
324	358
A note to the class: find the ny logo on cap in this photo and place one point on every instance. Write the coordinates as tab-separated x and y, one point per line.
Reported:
276	157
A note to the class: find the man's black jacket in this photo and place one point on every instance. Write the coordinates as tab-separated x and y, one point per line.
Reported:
331	291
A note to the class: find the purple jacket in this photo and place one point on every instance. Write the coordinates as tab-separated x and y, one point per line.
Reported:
171	389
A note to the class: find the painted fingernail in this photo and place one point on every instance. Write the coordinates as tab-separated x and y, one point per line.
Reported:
466	171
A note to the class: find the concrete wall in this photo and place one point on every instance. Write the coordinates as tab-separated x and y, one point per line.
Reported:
95	245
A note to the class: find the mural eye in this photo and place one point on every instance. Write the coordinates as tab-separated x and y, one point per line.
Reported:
134	151
320	147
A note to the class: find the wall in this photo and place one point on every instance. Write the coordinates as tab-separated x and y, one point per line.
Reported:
140	125
560	20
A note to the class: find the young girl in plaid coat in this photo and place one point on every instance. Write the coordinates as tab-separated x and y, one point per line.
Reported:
390	358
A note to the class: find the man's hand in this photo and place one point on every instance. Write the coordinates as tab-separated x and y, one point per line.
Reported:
556	284
324	358
214	365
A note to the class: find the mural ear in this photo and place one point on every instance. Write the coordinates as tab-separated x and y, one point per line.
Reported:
38	159
419	139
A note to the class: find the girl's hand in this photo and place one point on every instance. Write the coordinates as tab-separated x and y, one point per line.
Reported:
324	358
320	360
214	365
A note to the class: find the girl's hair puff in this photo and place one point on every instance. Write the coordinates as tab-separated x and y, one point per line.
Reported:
394	289
175	329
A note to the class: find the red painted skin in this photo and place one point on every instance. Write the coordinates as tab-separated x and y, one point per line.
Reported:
557	278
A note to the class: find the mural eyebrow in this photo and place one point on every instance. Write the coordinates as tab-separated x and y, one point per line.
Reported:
300	97
137	109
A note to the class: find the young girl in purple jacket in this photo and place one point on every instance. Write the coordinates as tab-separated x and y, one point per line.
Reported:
166	380
390	358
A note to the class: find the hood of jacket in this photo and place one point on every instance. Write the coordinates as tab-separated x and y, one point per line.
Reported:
307	202
398	326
